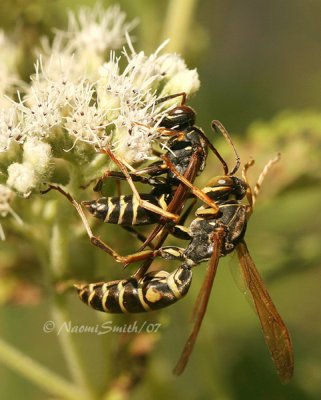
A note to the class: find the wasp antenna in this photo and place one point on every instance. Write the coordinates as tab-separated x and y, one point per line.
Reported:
263	174
172	96
249	192
218	127
215	151
245	168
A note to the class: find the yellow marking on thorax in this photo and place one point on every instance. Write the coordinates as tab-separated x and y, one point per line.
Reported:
205	211
209	189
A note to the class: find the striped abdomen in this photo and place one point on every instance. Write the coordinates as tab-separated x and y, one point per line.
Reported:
125	210
153	291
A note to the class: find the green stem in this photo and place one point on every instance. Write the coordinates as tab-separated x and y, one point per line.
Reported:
58	265
52	250
38	374
70	351
178	24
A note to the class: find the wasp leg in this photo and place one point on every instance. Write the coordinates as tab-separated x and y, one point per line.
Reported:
180	232
142	203
195	190
175	205
249	192
156	168
133	231
187	212
96	241
120	176
170	228
136	176
137	235
163	131
218	155
171	253
172	96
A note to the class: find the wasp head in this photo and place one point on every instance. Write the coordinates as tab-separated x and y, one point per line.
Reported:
180	117
225	188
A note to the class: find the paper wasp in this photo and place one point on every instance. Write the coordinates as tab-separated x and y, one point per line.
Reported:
211	235
217	230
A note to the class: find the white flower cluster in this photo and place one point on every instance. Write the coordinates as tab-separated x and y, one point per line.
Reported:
76	99
78	52
131	97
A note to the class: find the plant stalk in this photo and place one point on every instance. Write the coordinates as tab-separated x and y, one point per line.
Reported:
178	24
38	374
58	266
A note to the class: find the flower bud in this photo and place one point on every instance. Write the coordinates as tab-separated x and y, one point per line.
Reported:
21	178
37	154
184	81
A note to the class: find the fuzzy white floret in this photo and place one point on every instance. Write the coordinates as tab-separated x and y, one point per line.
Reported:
37	154
21	178
184	81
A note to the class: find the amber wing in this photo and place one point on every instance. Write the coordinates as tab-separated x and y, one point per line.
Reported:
202	301
275	332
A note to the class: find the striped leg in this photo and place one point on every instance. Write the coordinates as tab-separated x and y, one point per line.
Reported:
136	176
96	241
142	203
194	189
171	253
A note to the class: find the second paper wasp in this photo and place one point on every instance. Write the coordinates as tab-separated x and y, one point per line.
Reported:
187	149
214	233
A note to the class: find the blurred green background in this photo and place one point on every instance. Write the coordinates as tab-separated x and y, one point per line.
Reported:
260	70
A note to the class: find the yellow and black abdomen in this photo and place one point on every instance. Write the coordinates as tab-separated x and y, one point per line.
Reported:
153	291
125	210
